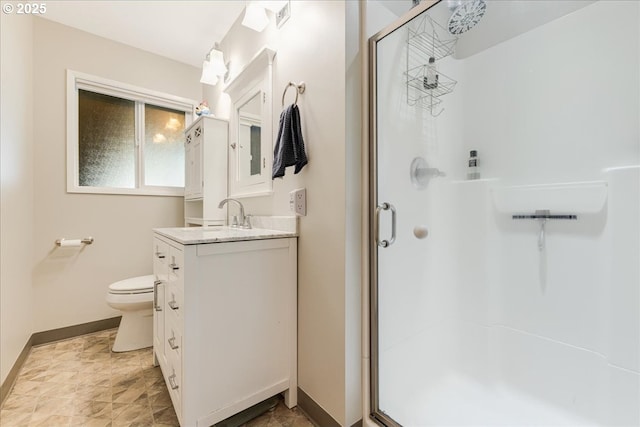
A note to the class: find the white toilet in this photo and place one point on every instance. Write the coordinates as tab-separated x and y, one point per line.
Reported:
134	297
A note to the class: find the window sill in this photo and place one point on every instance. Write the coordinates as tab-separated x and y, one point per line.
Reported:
158	191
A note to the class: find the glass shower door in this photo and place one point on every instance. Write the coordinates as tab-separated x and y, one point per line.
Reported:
409	249
505	206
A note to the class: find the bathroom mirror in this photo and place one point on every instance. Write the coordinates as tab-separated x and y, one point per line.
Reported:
251	136
249	147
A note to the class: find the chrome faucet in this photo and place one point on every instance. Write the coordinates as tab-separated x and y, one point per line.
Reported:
243	221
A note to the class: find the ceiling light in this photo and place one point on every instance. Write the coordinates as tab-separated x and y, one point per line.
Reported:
255	17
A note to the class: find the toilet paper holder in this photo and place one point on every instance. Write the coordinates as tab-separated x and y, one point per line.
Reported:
74	242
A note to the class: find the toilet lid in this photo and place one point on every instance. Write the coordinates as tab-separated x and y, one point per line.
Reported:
133	285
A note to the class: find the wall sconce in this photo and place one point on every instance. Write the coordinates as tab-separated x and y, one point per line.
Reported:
255	14
255	17
213	67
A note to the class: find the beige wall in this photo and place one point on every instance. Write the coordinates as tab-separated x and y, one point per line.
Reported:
16	195
311	48
70	285
353	236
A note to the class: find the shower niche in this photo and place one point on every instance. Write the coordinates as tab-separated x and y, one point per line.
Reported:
427	45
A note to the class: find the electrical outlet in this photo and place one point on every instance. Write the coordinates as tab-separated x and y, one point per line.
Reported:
298	201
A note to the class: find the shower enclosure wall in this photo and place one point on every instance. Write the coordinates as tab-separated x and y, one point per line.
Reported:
512	299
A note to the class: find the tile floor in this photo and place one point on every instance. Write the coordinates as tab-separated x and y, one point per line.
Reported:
80	382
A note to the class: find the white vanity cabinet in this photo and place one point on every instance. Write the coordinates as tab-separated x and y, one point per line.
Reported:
226	336
205	185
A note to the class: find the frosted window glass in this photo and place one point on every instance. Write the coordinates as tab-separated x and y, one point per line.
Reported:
106	141
163	147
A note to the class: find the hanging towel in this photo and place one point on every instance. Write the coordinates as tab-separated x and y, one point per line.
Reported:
289	150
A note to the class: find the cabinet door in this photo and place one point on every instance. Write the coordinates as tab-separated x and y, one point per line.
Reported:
193	163
188	160
161	275
196	169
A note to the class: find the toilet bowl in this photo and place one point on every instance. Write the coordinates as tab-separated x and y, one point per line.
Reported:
134	298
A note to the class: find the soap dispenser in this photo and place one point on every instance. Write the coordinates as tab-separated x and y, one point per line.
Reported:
473	172
430	79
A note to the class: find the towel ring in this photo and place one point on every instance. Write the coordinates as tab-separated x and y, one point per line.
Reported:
299	89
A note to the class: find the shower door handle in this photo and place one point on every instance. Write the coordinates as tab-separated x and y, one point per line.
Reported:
384	207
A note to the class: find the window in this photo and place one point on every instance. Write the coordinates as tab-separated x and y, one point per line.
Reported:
123	139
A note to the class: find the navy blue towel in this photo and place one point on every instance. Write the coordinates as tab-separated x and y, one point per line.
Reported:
289	150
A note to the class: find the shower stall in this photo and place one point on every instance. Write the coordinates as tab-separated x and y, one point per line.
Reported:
505	215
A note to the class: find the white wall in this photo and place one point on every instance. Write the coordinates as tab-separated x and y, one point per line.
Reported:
554	103
16	205
70	284
311	48
542	108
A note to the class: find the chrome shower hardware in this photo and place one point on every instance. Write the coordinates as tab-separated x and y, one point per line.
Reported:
466	16
384	207
543	216
421	173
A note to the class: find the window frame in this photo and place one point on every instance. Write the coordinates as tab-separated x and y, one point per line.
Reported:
80	81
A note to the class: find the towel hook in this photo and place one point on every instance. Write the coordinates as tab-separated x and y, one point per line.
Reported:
299	89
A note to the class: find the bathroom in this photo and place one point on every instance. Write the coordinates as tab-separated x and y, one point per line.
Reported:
324	44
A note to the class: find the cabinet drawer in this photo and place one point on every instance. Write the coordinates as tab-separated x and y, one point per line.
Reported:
174	301
176	267
174	383
160	259
173	339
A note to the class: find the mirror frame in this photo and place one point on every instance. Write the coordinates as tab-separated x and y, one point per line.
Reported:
255	77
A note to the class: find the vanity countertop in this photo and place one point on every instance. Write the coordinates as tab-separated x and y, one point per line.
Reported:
203	235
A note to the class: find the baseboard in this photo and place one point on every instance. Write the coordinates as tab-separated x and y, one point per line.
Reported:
316	414
45	337
52	335
7	384
248	414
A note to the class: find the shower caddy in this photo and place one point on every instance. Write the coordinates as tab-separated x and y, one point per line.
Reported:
424	41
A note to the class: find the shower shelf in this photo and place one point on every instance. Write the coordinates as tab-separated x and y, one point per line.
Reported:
573	197
429	97
425	41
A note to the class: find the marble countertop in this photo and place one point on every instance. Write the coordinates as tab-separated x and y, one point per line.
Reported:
202	235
